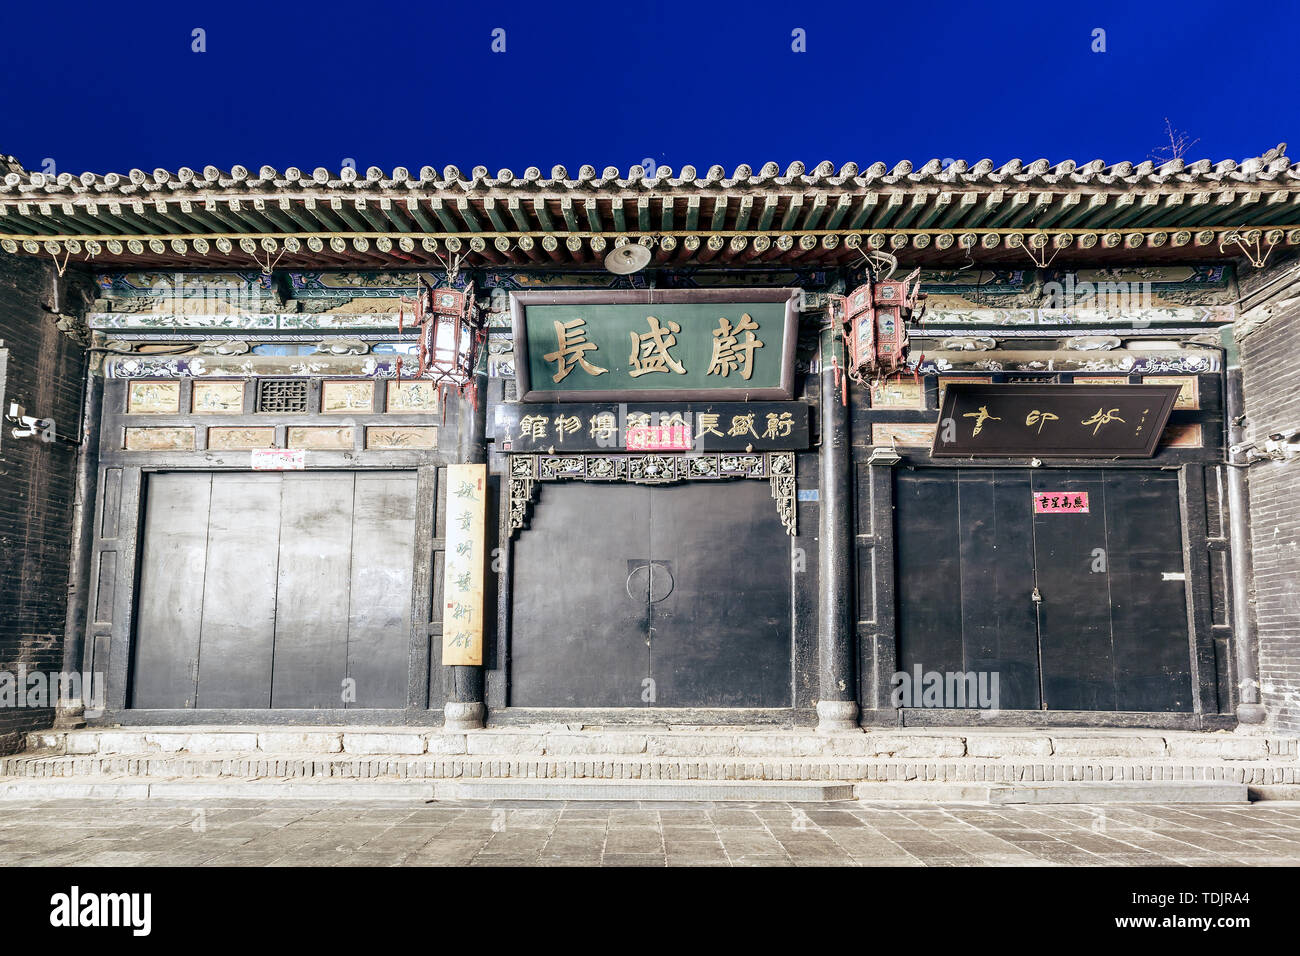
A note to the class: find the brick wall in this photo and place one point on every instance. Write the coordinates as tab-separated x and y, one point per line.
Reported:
1271	382
37	479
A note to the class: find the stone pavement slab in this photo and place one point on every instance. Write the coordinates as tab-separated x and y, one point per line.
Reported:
506	833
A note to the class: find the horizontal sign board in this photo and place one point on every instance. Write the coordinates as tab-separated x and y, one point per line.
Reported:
1052	421
681	345
642	426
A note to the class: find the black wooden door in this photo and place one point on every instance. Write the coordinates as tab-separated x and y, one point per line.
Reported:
669	596
275	590
720	635
1072	611
580	610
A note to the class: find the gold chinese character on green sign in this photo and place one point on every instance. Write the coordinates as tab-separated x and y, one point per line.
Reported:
650	349
571	343
730	352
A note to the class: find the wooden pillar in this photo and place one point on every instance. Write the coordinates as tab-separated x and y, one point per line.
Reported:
70	713
837	707
464	708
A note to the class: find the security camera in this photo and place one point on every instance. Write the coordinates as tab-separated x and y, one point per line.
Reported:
27	425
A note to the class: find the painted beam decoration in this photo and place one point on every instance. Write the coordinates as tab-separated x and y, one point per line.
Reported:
1052	421
462	587
680	345
698	426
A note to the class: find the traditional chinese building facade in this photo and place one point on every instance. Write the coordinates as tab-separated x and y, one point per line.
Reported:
662	497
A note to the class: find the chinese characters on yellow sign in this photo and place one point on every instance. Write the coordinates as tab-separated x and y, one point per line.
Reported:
462	583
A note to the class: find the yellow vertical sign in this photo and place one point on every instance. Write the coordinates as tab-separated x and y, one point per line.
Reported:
462	583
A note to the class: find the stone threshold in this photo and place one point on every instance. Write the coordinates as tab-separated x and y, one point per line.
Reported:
555	741
656	791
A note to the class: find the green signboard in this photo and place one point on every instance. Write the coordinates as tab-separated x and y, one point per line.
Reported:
680	345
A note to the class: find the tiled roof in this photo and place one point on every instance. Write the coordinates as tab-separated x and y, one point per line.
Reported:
753	216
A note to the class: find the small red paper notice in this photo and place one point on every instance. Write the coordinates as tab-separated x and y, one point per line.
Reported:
659	438
1060	502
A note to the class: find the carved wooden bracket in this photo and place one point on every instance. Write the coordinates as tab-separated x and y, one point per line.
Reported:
776	466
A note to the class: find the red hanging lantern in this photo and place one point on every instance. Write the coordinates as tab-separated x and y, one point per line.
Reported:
874	317
450	335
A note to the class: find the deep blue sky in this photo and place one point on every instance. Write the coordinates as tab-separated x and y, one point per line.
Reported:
110	87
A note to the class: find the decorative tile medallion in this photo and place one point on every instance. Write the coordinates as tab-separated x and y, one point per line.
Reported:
902	434
218	398
347	397
898	393
321	437
397	437
1182	436
418	398
237	438
154	398
160	439
1189	397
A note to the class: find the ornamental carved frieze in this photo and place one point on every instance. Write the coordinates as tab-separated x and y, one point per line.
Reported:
527	470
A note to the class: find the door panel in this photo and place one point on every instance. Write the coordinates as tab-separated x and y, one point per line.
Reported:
278	586
1074	616
999	625
379	619
1149	611
237	637
311	626
634	596
929	571
580	611
170	606
721	636
1111	628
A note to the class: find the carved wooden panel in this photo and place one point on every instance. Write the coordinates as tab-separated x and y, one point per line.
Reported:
160	439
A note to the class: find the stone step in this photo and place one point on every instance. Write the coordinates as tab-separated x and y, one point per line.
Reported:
744	791
128	788
659	791
577	741
966	770
1085	792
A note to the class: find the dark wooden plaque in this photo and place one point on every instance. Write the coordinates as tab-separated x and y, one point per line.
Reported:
1052	421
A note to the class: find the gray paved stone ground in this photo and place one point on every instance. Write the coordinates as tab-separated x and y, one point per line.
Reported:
281	833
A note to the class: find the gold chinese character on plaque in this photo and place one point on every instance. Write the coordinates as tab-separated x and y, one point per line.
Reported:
650	350
571	343
741	425
779	426
533	426
708	424
604	426
566	425
730	353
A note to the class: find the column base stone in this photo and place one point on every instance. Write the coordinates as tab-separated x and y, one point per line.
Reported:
69	715
835	716
1251	713
461	715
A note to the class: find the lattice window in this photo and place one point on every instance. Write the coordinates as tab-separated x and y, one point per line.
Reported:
282	395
